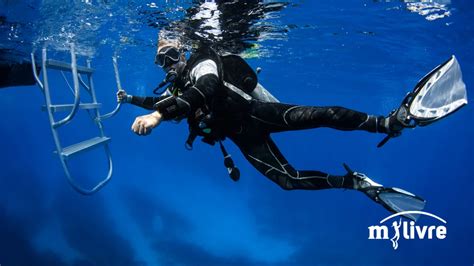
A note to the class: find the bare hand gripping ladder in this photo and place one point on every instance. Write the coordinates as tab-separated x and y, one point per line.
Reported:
66	153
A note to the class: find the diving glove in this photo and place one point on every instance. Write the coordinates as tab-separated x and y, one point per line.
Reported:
123	97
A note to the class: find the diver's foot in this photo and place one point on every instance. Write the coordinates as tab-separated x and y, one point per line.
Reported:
363	182
394	126
396	121
360	181
367	186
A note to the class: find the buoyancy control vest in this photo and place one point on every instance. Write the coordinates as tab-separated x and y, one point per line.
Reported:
238	80
238	86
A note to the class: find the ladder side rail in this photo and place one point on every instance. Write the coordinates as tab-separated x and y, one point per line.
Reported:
35	74
77	96
47	97
91	83
98	121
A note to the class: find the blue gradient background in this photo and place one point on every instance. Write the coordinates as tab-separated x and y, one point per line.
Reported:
168	206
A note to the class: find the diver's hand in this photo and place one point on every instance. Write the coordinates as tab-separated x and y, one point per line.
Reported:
123	97
144	124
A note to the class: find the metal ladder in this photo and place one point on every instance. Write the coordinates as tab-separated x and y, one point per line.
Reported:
66	153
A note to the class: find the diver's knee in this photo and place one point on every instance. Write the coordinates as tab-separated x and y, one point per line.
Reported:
283	181
286	186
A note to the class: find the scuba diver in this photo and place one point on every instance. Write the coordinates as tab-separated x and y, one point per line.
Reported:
221	98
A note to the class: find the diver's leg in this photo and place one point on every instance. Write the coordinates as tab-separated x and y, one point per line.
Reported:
265	156
267	159
282	117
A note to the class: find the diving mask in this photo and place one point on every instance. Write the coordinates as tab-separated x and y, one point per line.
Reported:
167	56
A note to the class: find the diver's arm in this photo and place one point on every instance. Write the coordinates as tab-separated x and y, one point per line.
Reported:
144	102
201	93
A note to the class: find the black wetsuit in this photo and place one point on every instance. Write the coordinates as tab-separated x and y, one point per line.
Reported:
250	123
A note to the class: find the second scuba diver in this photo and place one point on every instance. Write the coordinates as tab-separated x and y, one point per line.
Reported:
221	98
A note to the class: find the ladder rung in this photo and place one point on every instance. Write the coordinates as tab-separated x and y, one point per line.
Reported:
68	107
82	146
59	65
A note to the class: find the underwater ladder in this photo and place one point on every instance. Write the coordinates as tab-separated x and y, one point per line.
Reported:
66	153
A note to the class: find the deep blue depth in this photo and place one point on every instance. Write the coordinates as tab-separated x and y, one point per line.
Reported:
168	206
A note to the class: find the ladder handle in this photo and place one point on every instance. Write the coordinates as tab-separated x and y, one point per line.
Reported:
77	96
114	112
119	88
100	185
35	74
117	75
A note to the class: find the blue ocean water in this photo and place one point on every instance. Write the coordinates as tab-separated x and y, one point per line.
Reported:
168	206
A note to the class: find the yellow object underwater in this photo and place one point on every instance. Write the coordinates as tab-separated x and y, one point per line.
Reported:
253	52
